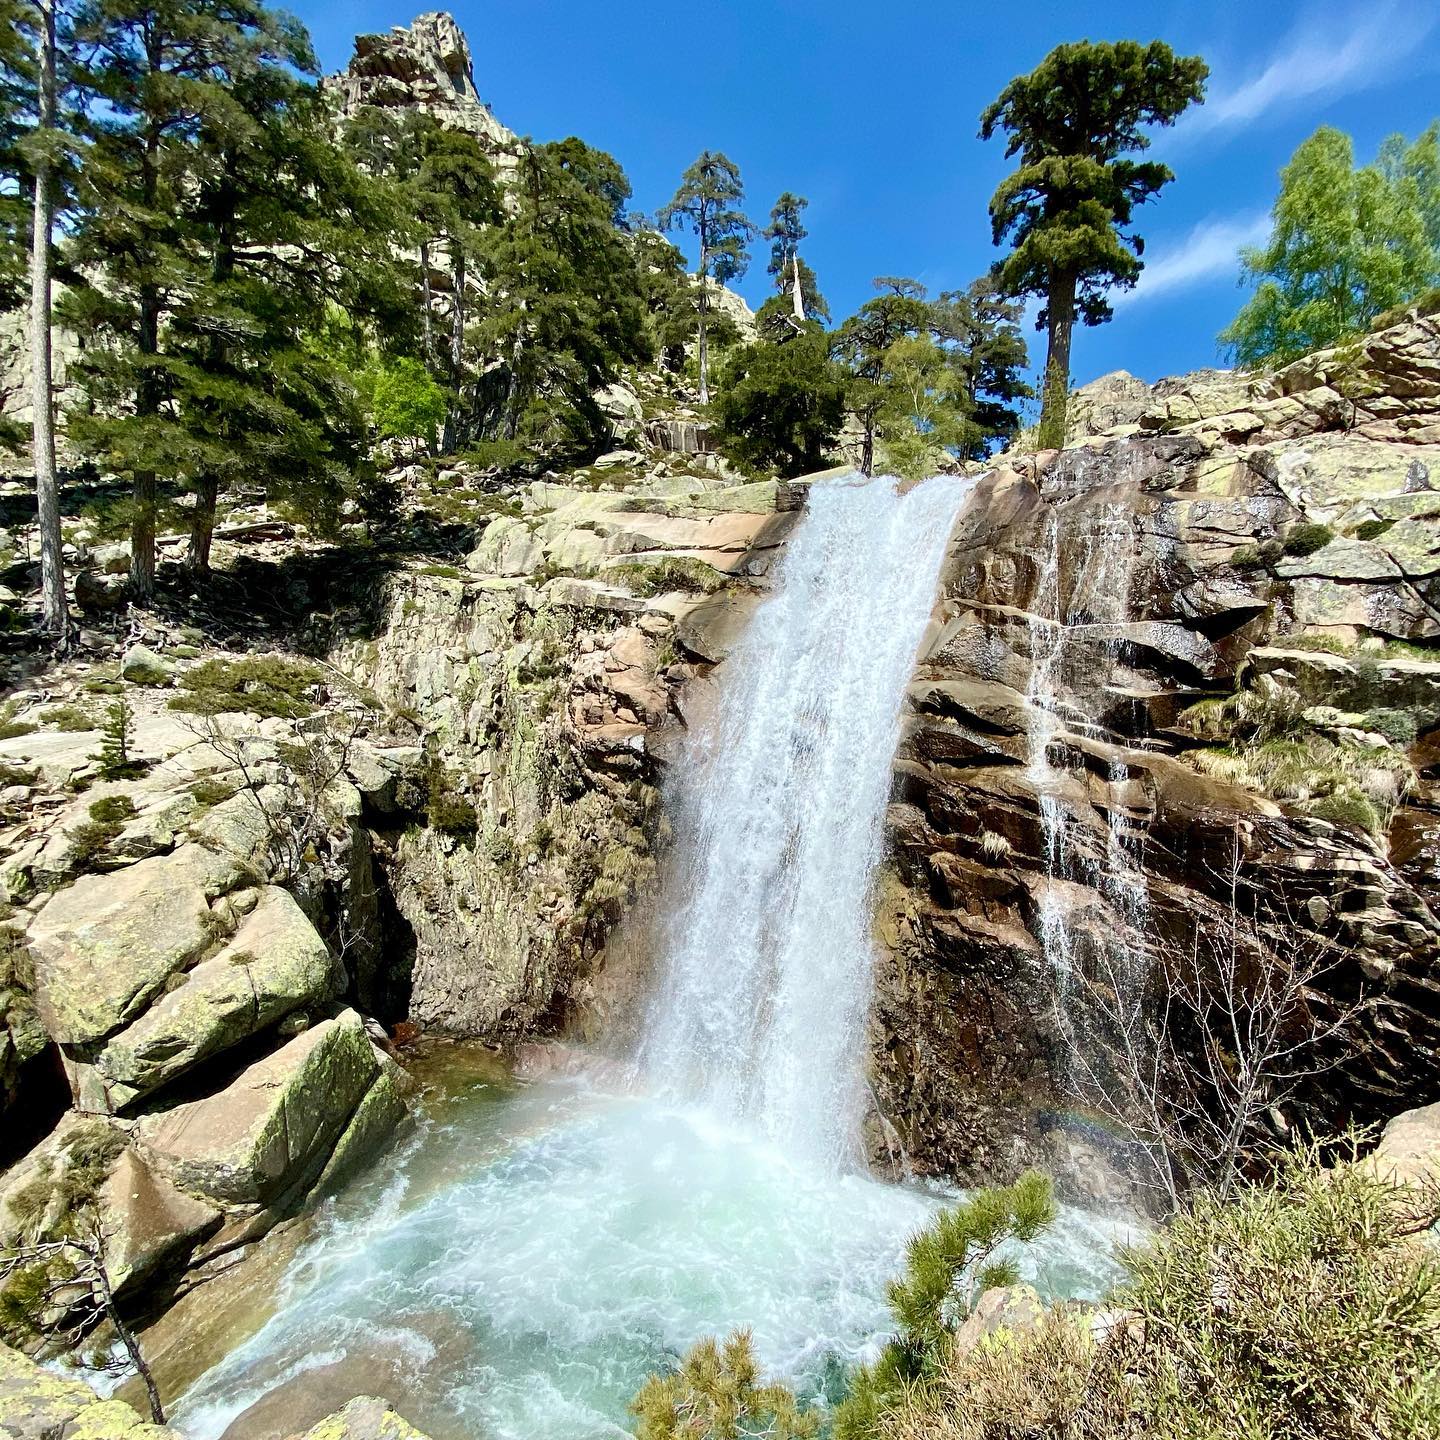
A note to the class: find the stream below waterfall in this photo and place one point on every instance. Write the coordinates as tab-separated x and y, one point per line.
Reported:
516	1267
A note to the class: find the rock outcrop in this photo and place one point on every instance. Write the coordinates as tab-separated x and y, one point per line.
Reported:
542	678
1186	658
423	66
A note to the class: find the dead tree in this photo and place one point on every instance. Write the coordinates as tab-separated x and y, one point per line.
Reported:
1195	1055
74	1295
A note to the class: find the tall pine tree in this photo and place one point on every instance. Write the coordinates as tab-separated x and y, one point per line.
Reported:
708	201
1075	121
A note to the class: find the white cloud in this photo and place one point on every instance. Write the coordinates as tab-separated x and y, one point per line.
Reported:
1326	54
1210	250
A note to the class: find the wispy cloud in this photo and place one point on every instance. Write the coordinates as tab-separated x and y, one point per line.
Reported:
1330	52
1210	250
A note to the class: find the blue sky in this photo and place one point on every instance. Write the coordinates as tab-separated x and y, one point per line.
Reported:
870	110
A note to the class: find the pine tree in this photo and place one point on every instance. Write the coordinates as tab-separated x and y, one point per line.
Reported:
862	345
117	735
563	311
708	202
1074	121
948	1266
980	332
219	224
790	273
716	1394
781	406
16	105
459	183
1345	245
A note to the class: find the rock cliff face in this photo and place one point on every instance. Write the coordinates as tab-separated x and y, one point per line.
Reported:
541	678
1190	651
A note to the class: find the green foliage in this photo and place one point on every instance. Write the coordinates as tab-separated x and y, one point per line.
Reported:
90	840
1075	121
269	685
979	331
117	735
1306	538
1304	1309
670	572
403	401
716	1394
928	378
1399	727
948	1265
210	790
780	407
1372	529
69	718
1346	244
446	809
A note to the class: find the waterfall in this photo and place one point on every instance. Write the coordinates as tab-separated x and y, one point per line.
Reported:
765	984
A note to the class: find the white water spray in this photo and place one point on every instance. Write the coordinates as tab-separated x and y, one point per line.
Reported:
762	1004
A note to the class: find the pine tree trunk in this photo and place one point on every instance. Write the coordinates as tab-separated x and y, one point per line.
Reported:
202	526
704	344
147	392
867	449
796	294
55	617
457	349
1055	397
127	1337
427	335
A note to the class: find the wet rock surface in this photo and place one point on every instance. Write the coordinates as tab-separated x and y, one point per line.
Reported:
1108	612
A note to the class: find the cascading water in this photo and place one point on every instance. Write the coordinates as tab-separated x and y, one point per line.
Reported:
1074	641
533	1252
763	1001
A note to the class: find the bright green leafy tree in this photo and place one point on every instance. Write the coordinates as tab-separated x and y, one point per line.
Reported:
1075	122
708	201
405	402
1345	245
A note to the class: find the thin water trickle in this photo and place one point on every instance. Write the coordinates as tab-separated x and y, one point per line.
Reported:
519	1266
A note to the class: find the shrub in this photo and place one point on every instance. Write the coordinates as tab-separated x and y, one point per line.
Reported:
1307	537
70	718
1372	529
1398	726
715	1394
209	790
671	572
1346	807
1301	1310
268	685
90	840
1246	557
